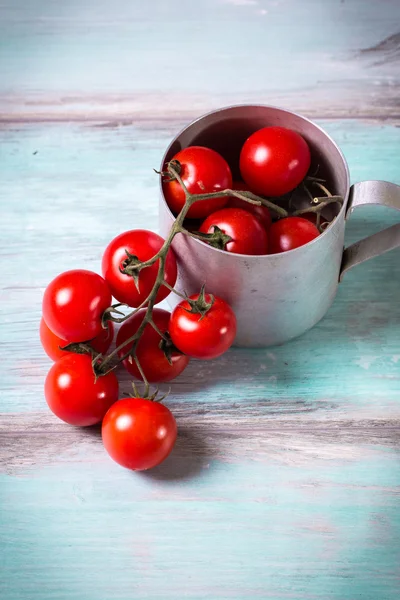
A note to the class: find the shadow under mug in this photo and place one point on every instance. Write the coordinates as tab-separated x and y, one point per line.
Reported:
277	297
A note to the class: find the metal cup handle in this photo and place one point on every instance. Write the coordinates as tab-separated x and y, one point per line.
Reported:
366	193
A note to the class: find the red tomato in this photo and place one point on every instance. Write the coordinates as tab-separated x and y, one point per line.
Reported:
73	304
202	170
143	244
74	395
261	212
51	342
274	160
203	337
151	358
138	433
247	233
289	233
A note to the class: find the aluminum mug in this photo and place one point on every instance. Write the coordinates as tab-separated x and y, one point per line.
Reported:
277	297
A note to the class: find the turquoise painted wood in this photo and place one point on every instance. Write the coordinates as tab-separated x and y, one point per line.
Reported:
285	482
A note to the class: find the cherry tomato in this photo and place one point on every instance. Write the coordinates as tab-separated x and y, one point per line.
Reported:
203	337
202	170
143	244
151	358
73	304
261	212
138	433
289	233
274	160
74	395
247	233
51	342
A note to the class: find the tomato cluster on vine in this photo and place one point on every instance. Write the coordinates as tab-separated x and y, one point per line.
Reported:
139	270
77	329
273	162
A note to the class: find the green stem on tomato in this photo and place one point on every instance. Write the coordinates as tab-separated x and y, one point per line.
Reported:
312	179
192	234
107	316
258	200
172	289
307	191
143	376
134	339
322	187
329	199
320	206
157	329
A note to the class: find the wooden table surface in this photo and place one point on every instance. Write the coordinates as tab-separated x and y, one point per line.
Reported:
285	482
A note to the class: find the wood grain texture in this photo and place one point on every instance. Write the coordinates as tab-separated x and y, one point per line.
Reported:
145	61
285	482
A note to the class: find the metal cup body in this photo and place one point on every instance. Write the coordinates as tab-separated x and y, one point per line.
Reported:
275	297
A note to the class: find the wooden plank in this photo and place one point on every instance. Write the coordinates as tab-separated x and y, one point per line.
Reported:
249	530
126	60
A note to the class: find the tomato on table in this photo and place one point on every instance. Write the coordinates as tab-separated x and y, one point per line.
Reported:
290	233
261	212
206	336
138	433
75	395
143	244
151	357
202	171
247	233
52	344
274	160
74	303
